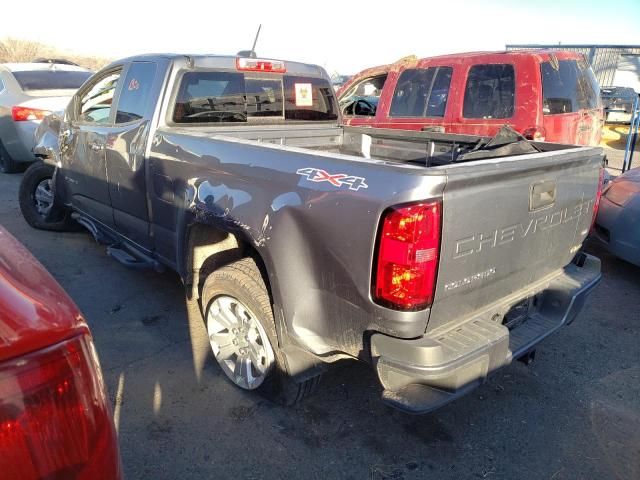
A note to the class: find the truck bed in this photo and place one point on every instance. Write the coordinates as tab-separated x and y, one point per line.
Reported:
397	146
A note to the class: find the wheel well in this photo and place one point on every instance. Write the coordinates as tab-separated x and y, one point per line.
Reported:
210	248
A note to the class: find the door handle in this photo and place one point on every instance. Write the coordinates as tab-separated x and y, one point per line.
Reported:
96	147
542	194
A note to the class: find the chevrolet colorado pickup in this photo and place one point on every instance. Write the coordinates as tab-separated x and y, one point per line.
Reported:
437	258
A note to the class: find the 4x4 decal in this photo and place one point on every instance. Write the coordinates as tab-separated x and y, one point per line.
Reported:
338	179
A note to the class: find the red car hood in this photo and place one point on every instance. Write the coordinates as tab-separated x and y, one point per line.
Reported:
34	310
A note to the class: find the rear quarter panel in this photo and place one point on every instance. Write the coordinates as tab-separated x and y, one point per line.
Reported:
316	239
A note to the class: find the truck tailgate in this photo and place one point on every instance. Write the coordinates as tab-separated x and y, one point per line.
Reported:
510	224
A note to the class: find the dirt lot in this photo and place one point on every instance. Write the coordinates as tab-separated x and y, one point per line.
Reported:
575	413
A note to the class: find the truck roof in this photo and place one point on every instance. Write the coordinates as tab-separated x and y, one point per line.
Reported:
223	61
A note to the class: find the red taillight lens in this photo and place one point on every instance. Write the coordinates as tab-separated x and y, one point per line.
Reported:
408	251
596	203
537	134
55	420
258	65
22	114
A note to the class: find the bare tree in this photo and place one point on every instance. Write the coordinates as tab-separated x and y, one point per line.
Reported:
16	50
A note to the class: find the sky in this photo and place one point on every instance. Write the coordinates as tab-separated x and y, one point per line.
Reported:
344	37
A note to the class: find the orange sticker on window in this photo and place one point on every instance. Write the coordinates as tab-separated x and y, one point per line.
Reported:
304	96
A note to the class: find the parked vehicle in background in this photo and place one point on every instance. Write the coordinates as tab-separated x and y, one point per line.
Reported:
339	80
55	416
29	92
618	220
618	103
544	95
436	258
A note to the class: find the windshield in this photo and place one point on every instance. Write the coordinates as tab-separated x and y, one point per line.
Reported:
51	79
568	86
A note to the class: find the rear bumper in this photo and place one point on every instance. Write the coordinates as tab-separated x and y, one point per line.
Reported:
423	374
20	140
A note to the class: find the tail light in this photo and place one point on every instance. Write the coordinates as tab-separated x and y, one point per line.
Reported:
55	419
621	193
537	134
596	203
258	65
408	252
22	114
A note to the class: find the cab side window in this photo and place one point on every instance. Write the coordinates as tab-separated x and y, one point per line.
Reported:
490	91
134	97
95	104
421	92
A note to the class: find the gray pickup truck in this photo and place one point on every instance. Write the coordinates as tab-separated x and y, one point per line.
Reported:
436	258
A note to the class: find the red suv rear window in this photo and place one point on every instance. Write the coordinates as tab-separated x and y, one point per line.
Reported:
568	86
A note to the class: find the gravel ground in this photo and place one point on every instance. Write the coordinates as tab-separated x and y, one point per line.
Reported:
574	413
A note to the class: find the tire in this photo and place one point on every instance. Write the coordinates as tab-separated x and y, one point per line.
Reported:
242	282
7	164
33	203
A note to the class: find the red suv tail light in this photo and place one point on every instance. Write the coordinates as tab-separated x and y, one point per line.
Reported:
536	133
596	203
21	114
55	419
408	252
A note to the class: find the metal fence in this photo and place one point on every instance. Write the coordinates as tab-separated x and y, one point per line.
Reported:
605	60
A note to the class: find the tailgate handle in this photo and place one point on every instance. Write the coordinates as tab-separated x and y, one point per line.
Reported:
543	194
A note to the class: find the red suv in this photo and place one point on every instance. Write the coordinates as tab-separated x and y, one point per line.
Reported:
55	417
545	95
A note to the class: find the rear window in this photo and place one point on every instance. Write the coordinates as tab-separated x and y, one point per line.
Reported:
568	86
50	79
421	92
490	91
211	97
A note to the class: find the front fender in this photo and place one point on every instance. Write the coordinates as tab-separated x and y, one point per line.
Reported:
46	144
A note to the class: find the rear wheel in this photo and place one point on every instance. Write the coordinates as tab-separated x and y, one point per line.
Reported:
7	164
242	333
37	200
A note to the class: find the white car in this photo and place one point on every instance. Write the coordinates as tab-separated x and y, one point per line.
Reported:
28	93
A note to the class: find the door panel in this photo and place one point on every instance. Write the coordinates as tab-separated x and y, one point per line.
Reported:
126	149
83	148
487	99
419	100
127	182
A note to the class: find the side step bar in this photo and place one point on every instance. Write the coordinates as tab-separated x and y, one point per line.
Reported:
131	258
126	254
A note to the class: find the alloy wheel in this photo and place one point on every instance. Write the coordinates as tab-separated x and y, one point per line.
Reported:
239	342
